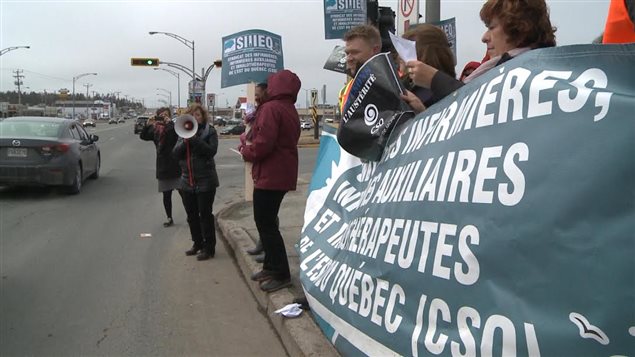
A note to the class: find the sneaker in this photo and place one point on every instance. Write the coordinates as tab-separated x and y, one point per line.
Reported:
260	258
262	275
272	285
205	255
168	223
195	248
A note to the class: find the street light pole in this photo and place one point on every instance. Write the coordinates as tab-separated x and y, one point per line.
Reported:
74	79
3	51
181	67
178	83
188	43
170	93
169	105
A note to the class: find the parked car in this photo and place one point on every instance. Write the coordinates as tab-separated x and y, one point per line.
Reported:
139	123
89	122
220	121
47	151
305	125
233	130
112	121
121	120
328	120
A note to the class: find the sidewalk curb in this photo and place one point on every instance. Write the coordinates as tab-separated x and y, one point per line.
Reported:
301	336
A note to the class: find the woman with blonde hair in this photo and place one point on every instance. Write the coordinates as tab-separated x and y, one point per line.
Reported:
199	181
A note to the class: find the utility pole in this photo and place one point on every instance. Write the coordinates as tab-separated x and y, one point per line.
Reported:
433	11
87	85
18	82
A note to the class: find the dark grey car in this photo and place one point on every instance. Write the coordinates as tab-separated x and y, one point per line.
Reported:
47	151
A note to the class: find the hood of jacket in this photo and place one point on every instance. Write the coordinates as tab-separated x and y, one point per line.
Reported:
283	85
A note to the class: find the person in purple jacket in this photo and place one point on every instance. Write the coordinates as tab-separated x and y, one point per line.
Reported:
274	155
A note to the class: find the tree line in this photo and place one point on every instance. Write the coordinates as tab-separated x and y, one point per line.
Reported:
35	98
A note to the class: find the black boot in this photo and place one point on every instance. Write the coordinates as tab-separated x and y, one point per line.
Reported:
256	250
205	254
272	285
195	248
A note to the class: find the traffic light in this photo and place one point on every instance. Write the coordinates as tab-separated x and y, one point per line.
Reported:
383	18
386	23
148	62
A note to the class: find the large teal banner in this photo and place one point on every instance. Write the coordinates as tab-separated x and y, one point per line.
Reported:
499	222
250	56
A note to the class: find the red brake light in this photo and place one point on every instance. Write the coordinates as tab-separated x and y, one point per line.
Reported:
58	149
62	147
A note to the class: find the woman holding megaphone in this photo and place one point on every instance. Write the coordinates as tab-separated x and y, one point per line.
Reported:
195	150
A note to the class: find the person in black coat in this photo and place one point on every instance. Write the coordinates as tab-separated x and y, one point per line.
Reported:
198	182
160	130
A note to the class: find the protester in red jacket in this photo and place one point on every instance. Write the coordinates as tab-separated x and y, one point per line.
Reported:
274	154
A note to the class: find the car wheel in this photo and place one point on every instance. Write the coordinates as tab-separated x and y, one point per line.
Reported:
76	186
95	174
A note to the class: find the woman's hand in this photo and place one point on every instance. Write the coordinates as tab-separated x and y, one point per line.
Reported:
420	73
413	101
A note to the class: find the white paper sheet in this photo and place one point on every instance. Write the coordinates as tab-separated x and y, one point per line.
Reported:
406	49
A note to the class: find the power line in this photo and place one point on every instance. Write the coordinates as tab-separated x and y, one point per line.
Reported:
39	74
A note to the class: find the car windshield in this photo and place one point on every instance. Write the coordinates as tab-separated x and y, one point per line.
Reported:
13	129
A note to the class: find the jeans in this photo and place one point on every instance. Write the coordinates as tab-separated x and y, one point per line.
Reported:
266	207
198	206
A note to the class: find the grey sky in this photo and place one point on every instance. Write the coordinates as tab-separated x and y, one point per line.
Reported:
72	37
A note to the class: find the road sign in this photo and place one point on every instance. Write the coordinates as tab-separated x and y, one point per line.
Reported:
314	97
406	7
407	15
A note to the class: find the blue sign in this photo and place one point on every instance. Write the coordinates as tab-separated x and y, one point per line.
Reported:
341	16
250	56
449	27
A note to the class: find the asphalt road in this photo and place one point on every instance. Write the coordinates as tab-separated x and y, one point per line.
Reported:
78	279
